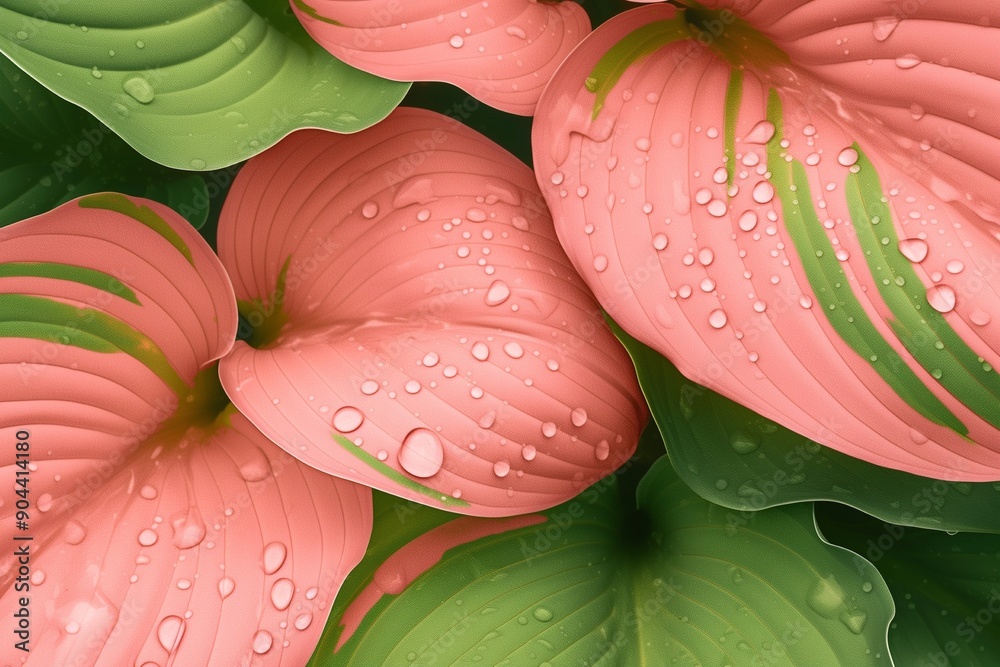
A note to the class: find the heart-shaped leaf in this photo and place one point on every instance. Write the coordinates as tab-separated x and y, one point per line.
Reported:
193	84
607	579
742	210
52	151
416	326
501	52
946	587
734	457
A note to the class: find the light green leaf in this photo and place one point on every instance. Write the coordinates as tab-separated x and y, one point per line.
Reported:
655	578
734	457
52	151
192	84
946	587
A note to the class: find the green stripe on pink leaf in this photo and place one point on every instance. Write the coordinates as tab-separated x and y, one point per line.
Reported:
826	276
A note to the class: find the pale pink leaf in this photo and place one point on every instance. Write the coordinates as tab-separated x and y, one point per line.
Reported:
428	336
502	52
210	547
801	253
110	306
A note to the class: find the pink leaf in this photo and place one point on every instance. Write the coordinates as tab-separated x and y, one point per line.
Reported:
210	547
109	306
502	52
799	250
422	331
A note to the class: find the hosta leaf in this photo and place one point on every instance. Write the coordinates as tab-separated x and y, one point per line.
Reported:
415	325
501	52
734	457
607	579
207	546
52	151
194	84
946	587
736	204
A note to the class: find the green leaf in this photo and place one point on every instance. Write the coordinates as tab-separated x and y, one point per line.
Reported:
734	457
52	151
655	577
946	587
192	84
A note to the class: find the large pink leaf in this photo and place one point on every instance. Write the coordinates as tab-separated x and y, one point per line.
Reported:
109	306
211	546
419	329
783	225
502	52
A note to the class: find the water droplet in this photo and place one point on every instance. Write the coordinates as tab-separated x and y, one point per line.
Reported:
847	157
139	44
369	387
189	530
281	593
677	139
761	133
542	614
600	263
501	468
954	266
226	587
456	41
348	419
706	256
147	537
513	350
748	221
717	208
979	317
74	532
529	452
941	298
642	143
169	632
703	196
481	351
139	89
602	450
274	557
914	250
96	73
660	241
476	215
22	35
262	642
717	318
198	164
578	417
44	502
369	210
497	293
549	429
854	621
866	587
743	443
303	621
763	192
519	223
411	387
516	31
421	454
826	597
907	61
842	254
883	27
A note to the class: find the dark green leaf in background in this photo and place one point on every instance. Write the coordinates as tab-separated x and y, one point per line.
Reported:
655	577
732	456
